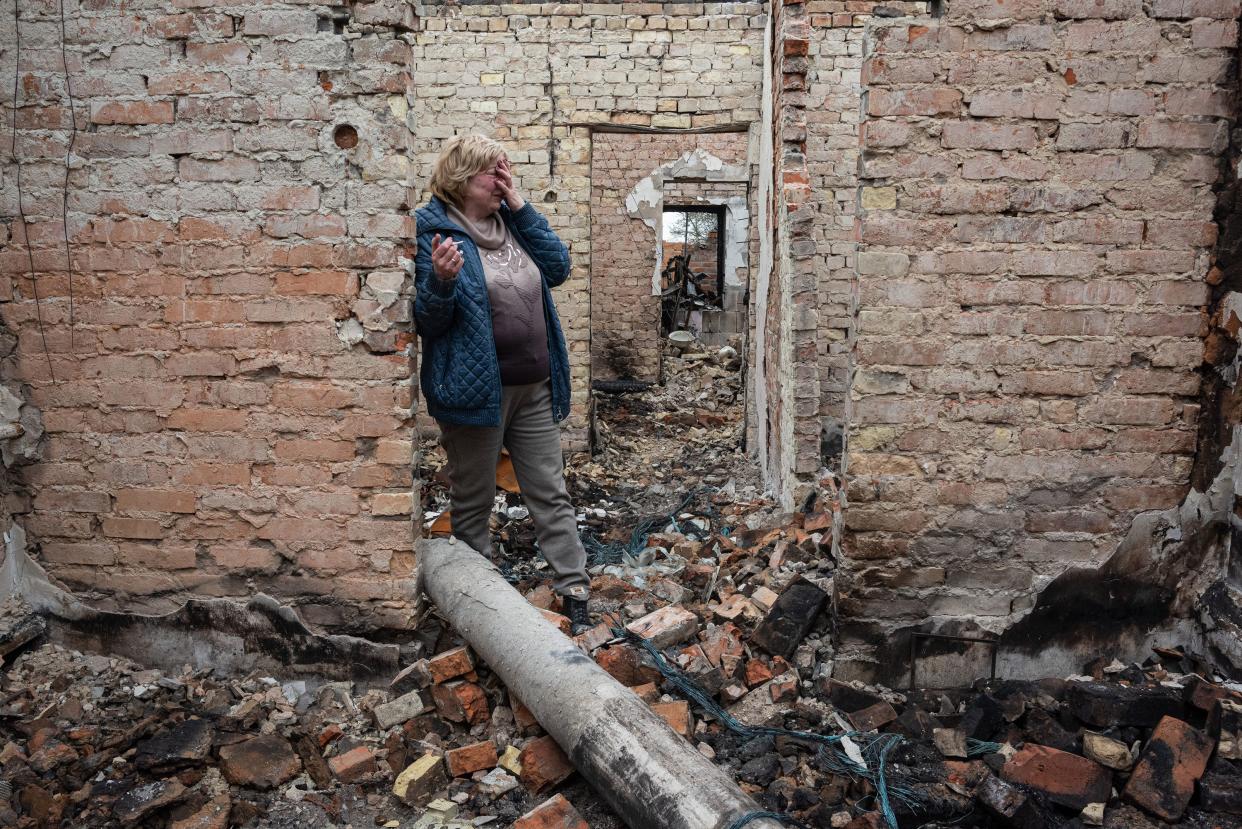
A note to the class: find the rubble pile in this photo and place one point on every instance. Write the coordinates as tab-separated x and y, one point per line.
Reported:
95	741
712	605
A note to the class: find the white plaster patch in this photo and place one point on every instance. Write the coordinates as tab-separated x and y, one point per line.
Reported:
646	202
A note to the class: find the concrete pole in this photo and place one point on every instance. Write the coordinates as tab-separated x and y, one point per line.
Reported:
651	776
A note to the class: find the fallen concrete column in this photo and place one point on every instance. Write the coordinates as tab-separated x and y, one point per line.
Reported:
648	774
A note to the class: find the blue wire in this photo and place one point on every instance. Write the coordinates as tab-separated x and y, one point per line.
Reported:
837	760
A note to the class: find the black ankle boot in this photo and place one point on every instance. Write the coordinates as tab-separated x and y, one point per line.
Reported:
578	613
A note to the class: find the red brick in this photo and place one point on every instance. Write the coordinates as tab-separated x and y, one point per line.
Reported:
314	450
461	702
554	813
676	714
200	364
132	528
155	500
73	501
92	554
309	283
1066	778
450	664
987	136
1172	762
925	101
353	764
471	758
1010	104
625	665
208	420
164	557
132	112
543	765
757	673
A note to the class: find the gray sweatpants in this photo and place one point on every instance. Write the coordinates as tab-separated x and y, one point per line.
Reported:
530	434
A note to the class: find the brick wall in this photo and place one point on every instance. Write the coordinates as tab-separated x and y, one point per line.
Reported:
543	76
228	411
1036	218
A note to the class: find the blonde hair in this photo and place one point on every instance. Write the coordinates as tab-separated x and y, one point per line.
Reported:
462	157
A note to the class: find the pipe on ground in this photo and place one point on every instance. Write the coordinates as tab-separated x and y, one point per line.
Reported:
651	776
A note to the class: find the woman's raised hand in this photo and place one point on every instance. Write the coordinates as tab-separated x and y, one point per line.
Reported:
504	177
446	258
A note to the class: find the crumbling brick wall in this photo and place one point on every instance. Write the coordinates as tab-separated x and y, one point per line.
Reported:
222	371
1036	219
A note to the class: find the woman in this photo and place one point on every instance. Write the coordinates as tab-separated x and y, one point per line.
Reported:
495	371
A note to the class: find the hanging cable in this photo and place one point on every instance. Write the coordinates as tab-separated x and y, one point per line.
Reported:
21	212
73	137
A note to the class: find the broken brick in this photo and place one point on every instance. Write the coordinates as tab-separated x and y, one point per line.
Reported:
733	608
353	764
594	638
562	623
543	765
412	678
846	697
757	673
463	702
624	664
471	758
676	714
214	815
147	798
784	688
1173	760
1067	779
873	717
330	734
522	715
262	762
420	781
647	692
720	641
665	627
449	665
790	619
1104	705
554	813
403	708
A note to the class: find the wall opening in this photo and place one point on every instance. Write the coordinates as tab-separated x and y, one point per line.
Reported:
692	279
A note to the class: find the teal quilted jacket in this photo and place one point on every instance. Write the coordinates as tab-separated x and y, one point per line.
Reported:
460	375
